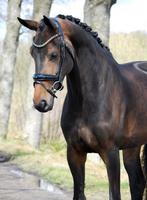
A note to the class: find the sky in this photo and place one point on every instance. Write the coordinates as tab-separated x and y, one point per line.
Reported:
129	15
126	15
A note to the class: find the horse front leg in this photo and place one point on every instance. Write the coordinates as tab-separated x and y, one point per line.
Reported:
76	161
133	167
112	162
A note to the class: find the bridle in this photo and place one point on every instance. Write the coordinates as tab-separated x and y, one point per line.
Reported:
57	82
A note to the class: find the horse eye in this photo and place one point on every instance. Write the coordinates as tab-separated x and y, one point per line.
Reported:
53	56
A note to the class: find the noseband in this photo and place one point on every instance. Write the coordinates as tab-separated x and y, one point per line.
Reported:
39	78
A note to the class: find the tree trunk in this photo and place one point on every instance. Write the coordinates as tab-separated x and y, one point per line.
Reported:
8	63
19	107
34	119
51	121
41	9
97	14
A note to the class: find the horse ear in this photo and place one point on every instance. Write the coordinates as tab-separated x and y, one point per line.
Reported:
50	22
33	25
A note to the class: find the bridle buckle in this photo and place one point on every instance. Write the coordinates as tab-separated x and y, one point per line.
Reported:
57	86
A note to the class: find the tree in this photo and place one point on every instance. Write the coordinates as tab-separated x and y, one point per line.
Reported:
8	63
33	126
41	9
25	121
97	14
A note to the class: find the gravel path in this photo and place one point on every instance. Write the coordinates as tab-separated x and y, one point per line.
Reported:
16	185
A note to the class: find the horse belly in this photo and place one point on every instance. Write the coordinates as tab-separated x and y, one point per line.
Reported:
133	139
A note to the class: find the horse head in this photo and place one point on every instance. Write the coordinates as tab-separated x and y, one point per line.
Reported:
53	56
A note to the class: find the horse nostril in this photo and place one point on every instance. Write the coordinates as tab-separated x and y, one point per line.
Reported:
43	106
43	103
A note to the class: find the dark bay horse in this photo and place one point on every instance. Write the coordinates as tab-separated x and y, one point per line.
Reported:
105	108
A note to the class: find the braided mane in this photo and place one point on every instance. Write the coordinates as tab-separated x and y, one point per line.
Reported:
85	27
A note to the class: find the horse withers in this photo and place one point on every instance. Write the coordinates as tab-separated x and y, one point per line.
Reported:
105	108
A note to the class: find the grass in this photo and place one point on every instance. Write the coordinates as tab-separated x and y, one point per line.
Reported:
50	163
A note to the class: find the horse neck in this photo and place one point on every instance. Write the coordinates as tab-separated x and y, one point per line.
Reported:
95	76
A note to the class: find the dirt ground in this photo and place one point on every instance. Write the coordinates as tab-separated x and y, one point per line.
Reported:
15	185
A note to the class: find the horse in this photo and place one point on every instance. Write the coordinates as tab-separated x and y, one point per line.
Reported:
104	109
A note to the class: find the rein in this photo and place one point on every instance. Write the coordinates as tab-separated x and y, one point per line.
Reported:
39	78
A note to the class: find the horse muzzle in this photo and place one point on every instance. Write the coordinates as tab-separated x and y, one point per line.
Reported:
43	106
